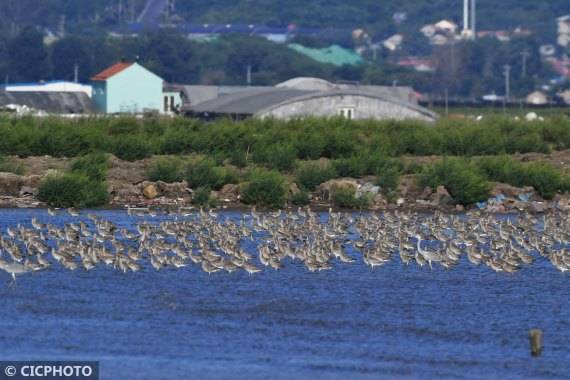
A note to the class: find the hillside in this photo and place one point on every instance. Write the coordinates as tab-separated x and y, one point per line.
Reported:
376	15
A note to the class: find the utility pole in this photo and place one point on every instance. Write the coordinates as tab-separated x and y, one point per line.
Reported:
525	54
61	27
446	102
507	74
248	75
473	19
76	73
119	11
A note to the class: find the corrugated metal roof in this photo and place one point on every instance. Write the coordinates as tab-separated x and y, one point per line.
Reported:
110	71
254	101
247	102
51	102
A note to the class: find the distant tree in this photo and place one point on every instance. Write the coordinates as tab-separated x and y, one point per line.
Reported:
27	56
65	54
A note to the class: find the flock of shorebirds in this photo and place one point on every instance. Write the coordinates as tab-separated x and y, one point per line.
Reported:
252	241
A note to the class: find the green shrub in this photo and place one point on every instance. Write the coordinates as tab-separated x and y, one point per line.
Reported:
206	173
124	126
238	158
92	165
276	156
311	175
546	179
308	138
310	145
132	148
72	190
388	178
265	188
460	177
355	166
168	170
565	183
344	197
201	197
301	198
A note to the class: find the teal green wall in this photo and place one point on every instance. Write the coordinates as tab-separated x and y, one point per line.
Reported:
133	90
100	96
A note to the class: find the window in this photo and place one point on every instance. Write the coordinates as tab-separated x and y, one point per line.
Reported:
347	112
166	104
172	104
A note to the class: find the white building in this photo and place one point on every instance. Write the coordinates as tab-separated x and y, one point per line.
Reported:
536	98
53	86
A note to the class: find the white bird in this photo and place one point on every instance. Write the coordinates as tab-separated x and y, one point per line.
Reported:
13	269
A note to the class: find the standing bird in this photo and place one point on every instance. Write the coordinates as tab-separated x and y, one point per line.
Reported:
13	269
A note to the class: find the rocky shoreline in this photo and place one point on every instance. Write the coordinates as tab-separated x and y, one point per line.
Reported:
128	187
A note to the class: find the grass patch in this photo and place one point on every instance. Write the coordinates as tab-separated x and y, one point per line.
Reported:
8	167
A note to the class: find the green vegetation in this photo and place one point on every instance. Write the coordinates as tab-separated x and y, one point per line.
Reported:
83	186
276	156
8	167
132	148
94	166
72	190
265	188
205	173
201	197
168	170
302	198
272	147
312	174
345	197
360	147
545	179
460	177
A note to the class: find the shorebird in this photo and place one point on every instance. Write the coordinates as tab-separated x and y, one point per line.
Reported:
216	242
13	269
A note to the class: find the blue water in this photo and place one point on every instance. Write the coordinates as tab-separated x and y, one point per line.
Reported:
394	322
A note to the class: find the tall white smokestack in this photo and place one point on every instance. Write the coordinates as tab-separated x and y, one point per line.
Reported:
469	20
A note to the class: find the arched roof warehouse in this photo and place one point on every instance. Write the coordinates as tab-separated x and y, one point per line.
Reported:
286	103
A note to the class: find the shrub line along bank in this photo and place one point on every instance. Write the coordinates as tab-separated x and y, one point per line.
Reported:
266	155
276	142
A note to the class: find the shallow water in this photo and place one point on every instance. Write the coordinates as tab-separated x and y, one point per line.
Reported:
347	323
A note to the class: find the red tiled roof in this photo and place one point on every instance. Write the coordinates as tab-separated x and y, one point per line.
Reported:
109	72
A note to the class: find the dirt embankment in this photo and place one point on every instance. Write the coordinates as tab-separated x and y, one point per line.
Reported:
127	185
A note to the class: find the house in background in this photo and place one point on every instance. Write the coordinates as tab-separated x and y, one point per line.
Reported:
128	88
173	97
537	98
